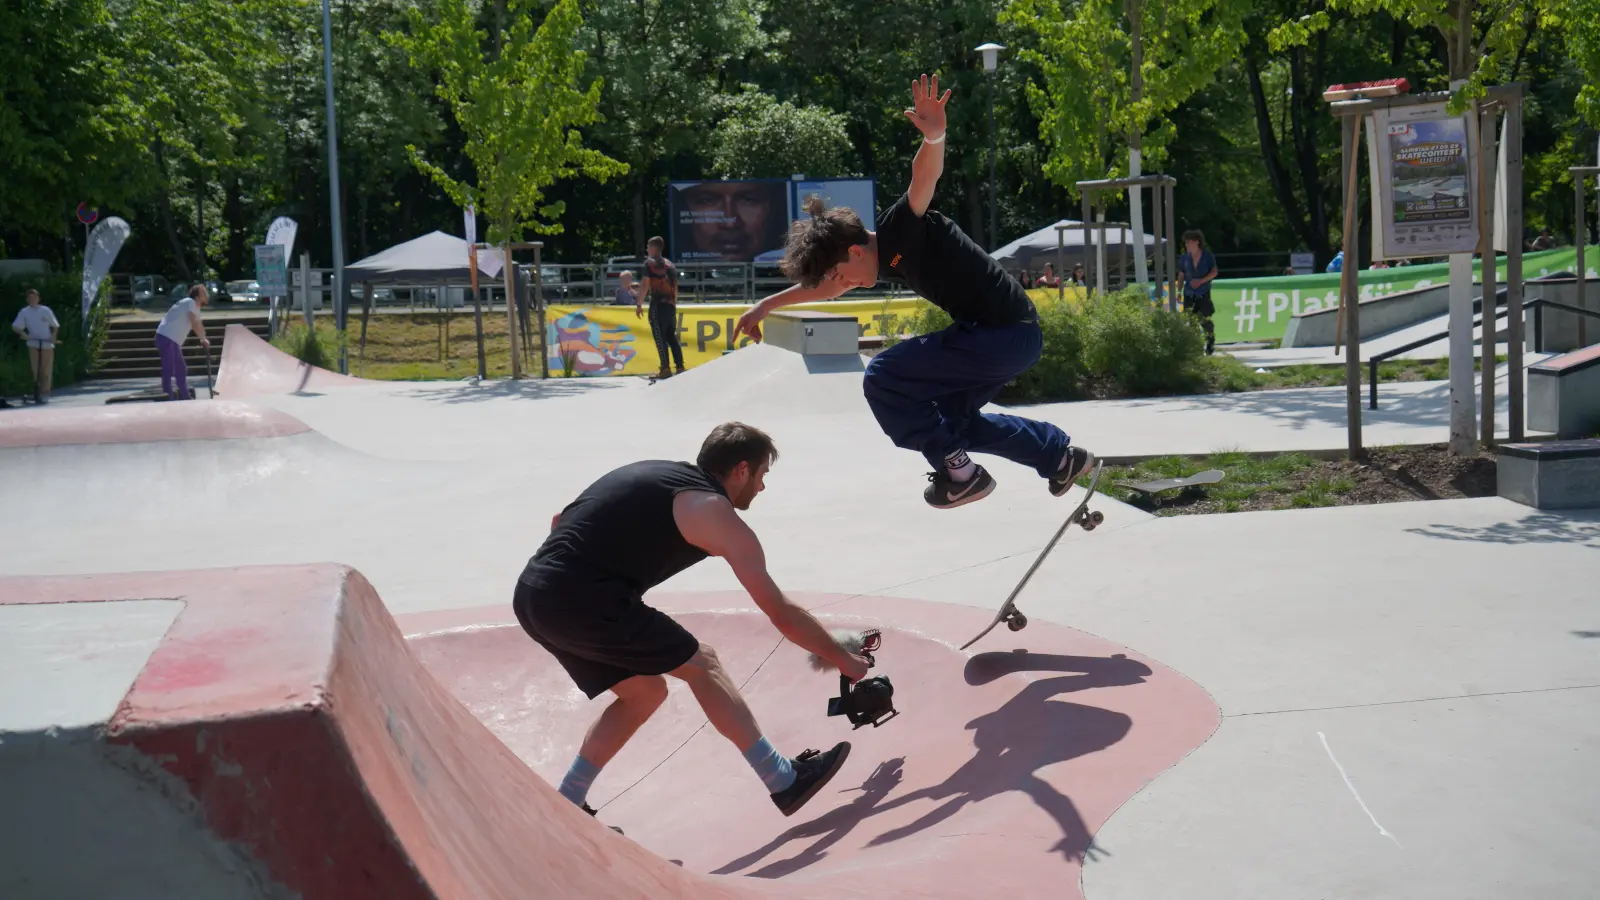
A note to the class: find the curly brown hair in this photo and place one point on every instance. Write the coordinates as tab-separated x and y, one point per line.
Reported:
816	245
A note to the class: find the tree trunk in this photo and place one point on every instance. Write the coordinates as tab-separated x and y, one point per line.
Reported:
1269	155
638	214
234	264
200	217
1135	11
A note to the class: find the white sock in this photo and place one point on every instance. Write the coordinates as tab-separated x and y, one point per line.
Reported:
960	466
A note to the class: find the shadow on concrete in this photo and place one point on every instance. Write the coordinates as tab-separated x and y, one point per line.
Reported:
1540	528
457	392
834	363
1586	634
1027	733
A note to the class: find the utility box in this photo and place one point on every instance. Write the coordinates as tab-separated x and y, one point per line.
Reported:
1550	474
813	333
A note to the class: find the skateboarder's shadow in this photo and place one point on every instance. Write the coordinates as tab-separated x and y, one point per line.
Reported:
832	826
1028	732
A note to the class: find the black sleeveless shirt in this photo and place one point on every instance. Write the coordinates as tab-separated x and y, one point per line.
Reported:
619	535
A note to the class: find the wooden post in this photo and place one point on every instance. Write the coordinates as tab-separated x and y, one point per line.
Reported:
538	306
1061	257
1488	159
366	310
1172	249
1515	380
1349	286
477	308
1157	195
1088	242
1578	243
510	278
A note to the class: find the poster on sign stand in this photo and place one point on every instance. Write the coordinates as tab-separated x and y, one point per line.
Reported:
1427	192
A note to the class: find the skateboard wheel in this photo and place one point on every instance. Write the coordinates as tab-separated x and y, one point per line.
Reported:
1097	517
1017	622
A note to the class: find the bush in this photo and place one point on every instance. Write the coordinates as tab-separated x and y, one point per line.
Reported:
309	345
1060	372
76	349
1141	348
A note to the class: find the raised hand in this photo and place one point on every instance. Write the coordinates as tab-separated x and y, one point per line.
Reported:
927	106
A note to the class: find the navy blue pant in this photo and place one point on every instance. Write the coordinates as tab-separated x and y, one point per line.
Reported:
928	392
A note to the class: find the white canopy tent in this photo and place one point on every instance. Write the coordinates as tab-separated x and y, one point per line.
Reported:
1032	251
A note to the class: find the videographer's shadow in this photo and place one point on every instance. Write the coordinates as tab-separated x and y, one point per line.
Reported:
833	826
1028	732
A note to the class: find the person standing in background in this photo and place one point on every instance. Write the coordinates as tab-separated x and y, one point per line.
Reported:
661	286
36	324
1197	267
628	292
171	335
1048	279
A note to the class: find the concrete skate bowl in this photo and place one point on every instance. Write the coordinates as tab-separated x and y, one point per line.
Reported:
991	782
758	378
252	367
182	461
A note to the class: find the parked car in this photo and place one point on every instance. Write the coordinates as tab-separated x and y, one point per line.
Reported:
149	288
243	291
554	283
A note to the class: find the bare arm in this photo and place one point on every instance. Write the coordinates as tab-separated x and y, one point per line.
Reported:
199	328
927	113
750	322
709	522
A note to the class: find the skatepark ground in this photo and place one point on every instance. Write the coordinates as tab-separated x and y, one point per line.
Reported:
1383	701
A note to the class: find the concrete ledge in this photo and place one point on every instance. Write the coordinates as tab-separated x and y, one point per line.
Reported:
813	333
1551	475
1379	315
1564	394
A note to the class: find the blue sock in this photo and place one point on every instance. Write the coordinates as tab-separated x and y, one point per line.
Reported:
774	769
575	786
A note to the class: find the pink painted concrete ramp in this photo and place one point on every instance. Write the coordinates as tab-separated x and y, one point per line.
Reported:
991	782
283	725
145	423
252	367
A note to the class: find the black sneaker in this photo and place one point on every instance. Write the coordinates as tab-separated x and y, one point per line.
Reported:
945	492
591	811
1077	462
812	770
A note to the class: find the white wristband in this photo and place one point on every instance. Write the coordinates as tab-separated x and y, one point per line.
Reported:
937	140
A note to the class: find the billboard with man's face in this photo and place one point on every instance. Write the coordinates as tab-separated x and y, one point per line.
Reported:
746	221
728	221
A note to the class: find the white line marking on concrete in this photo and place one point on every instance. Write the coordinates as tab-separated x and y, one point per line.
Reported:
1351	785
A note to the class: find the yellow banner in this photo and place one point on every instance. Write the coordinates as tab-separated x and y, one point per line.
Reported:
614	340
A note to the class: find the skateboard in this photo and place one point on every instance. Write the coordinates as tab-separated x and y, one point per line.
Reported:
1152	489
1081	516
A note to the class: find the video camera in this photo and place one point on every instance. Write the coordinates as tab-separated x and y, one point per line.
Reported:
870	700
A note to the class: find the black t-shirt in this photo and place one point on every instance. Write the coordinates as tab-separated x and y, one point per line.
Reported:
619	535
660	280
933	257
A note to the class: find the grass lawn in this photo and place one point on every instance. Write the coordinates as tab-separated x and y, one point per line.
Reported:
414	347
1226	374
1295	480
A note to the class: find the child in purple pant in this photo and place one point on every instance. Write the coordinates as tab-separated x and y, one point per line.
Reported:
170	335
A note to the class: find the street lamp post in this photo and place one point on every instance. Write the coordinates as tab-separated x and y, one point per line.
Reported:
333	185
991	52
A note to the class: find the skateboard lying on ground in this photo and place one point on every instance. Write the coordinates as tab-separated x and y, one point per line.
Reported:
1081	516
1152	490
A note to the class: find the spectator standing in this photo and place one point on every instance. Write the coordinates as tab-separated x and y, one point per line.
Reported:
661	286
36	324
1197	267
628	291
1337	263
171	335
1543	242
1078	276
1048	278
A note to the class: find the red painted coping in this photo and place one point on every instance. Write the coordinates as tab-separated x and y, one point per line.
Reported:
251	367
144	422
1004	762
286	703
1575	361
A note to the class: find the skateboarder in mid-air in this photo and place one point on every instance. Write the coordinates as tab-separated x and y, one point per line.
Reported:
581	598
928	393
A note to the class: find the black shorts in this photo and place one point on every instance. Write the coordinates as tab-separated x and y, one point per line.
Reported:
1200	306
602	638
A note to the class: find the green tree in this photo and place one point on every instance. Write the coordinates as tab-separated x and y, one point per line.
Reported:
760	137
1113	72
663	64
519	105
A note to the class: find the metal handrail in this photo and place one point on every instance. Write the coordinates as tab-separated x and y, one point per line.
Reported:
1536	304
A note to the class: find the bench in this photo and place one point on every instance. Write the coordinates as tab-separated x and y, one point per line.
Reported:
1551	474
1564	394
811	333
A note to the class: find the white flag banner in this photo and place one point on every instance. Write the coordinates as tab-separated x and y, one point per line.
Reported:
282	232
490	262
105	242
469	218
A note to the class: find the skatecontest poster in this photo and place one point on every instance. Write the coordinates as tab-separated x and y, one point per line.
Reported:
1427	190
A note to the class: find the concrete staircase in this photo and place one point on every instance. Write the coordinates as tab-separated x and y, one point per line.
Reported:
130	347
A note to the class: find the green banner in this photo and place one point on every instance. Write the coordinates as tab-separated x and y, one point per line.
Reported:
1259	309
